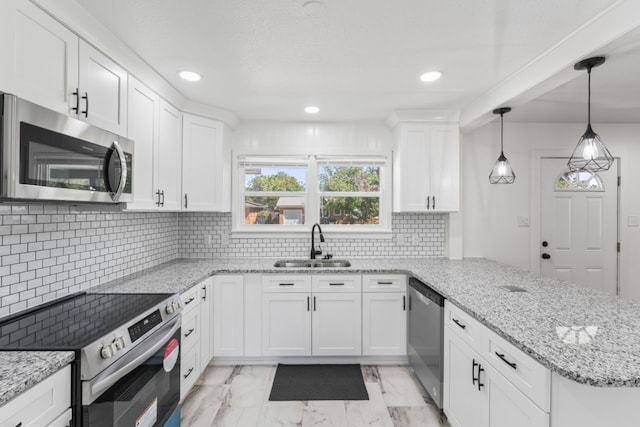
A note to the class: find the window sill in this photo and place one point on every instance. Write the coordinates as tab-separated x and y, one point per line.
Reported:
306	234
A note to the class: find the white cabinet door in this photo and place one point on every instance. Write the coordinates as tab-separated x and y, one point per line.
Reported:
444	167
507	406
384	324
206	323
426	168
206	165
464	403
228	315
286	324
39	56
103	90
336	324
144	107
411	169
169	156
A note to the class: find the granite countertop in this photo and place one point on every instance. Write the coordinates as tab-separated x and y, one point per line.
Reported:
582	334
21	370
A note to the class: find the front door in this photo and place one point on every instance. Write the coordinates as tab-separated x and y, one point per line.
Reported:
579	223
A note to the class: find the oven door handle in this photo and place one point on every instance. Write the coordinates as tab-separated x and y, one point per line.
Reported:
126	364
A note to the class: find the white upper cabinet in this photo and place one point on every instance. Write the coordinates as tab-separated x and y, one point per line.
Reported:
156	128
169	157
39	56
144	108
206	165
49	65
102	86
426	168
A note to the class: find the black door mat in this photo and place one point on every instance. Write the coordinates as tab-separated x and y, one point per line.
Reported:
318	382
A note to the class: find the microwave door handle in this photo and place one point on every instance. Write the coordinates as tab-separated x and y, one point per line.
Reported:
123	172
122	367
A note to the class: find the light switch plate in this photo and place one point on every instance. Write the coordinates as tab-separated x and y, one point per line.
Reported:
633	221
523	221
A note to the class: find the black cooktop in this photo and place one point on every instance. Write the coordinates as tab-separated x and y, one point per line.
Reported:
73	322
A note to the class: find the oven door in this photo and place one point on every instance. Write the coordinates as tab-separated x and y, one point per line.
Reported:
141	389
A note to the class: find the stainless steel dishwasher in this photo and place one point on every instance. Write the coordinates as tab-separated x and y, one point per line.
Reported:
426	337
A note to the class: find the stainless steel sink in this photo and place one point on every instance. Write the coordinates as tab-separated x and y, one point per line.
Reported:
312	263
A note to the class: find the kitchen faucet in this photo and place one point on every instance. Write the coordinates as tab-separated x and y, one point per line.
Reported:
314	252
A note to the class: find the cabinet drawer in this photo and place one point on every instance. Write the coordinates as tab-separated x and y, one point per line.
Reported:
336	283
190	330
384	283
41	404
528	375
189	371
286	283
190	299
465	326
63	420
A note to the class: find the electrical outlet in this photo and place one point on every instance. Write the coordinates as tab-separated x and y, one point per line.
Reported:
401	239
208	240
224	237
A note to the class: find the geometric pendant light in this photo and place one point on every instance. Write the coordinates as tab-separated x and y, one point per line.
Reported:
590	154
502	172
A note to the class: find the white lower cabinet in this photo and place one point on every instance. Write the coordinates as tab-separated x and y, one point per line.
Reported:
286	324
384	315
228	315
336	324
189	370
476	394
305	315
46	403
206	322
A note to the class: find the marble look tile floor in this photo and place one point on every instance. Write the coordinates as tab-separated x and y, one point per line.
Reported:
238	396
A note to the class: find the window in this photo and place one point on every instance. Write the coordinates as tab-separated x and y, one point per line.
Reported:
574	180
290	194
274	191
350	191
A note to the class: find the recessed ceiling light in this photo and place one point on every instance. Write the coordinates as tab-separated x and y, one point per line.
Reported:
190	76
431	76
311	109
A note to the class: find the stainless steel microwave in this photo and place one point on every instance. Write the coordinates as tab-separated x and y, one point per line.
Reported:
46	155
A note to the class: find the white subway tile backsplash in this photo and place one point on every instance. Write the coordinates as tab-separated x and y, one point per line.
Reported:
194	226
49	250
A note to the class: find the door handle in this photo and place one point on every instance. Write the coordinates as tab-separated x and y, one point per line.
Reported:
546	256
86	103
433	202
76	109
428	202
185	200
473	372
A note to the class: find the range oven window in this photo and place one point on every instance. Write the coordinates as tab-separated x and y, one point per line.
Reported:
52	159
147	396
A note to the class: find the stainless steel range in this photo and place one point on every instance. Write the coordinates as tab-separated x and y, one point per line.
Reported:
127	365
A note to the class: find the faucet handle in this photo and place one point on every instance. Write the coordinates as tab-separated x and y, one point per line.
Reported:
327	256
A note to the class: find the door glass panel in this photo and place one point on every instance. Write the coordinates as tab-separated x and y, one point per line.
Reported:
572	180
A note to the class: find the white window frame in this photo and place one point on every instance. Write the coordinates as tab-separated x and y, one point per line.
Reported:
312	196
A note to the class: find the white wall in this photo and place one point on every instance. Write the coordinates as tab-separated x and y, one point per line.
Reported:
490	211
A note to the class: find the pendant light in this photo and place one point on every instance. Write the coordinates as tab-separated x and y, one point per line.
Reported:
502	172
590	154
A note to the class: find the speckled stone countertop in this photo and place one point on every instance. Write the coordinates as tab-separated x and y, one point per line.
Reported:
582	334
21	370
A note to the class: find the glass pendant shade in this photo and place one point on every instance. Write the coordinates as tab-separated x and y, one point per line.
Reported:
590	154
502	172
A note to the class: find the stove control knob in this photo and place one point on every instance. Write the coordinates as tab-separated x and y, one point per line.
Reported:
170	309
107	351
120	344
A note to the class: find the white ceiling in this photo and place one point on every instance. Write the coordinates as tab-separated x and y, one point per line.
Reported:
361	59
